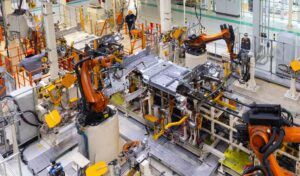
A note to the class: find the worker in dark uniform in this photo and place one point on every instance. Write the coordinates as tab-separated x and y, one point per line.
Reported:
244	59
246	43
87	50
56	169
130	21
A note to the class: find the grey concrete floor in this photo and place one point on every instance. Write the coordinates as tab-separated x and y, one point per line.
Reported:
271	94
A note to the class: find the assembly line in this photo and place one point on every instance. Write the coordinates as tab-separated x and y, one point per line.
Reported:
114	87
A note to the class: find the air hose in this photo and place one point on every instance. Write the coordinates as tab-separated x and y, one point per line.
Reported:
253	169
271	150
26	121
23	112
272	138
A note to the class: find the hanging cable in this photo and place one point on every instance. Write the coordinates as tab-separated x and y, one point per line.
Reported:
20	5
199	17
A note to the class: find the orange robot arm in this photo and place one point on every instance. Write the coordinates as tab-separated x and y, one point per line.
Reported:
259	137
226	34
95	98
292	134
267	130
3	89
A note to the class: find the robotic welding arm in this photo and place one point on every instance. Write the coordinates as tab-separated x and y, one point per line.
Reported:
2	83
266	128
94	102
197	44
95	98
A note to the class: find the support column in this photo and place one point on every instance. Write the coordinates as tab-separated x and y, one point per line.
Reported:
50	39
64	10
7	7
231	124
298	164
184	13
209	5
108	5
114	11
290	14
212	127
257	20
165	15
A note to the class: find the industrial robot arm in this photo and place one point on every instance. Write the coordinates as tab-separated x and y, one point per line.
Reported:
95	98
2	85
2	90
267	127
94	101
198	43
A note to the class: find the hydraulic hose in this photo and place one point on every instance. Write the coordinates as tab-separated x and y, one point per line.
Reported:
272	138
23	112
271	150
253	169
34	115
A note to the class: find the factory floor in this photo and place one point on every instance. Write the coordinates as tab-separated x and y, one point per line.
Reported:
132	130
129	130
267	93
211	20
270	93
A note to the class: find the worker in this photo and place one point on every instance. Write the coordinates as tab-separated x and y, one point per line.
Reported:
130	21
56	169
101	1
246	43
87	49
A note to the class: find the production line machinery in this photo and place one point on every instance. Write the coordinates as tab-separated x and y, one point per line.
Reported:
193	108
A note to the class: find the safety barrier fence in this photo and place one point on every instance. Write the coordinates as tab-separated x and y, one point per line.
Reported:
67	63
270	54
12	56
25	78
6	169
64	16
145	34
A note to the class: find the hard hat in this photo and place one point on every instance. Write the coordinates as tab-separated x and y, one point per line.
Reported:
246	34
130	12
30	51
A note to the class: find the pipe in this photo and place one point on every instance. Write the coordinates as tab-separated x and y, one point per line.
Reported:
169	125
22	114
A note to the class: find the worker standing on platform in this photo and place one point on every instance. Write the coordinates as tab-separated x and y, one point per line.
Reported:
246	43
130	21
